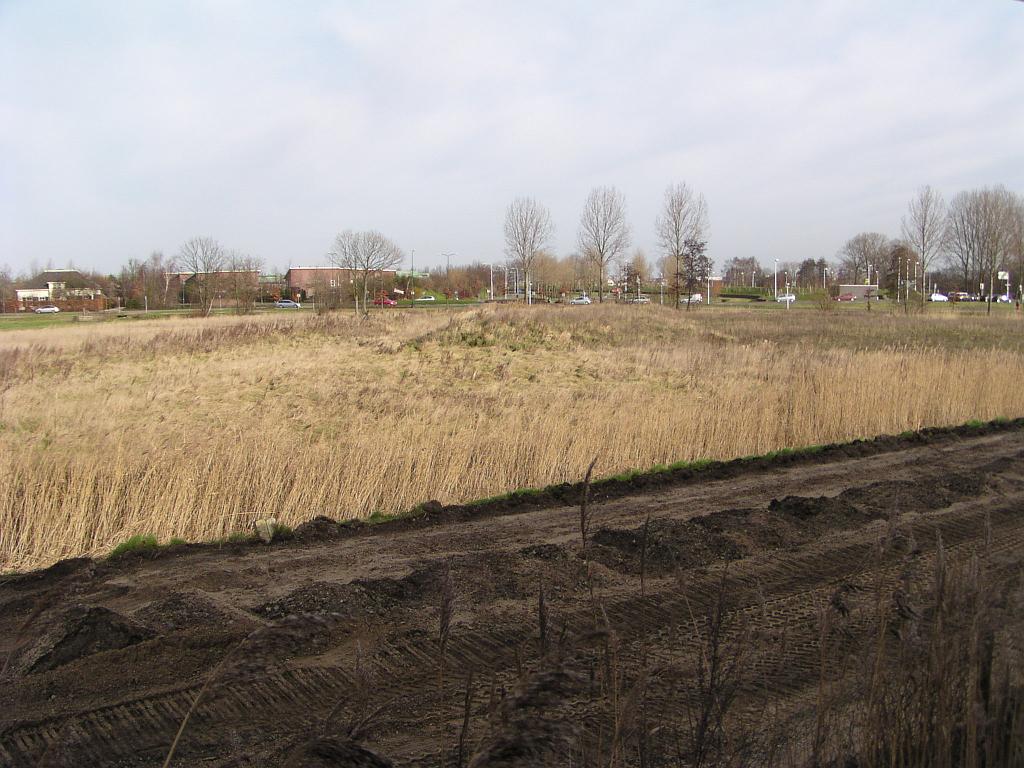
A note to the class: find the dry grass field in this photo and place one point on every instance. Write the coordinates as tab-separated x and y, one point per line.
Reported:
194	428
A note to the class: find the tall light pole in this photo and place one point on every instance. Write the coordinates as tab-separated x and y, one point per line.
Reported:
448	278
412	277
776	279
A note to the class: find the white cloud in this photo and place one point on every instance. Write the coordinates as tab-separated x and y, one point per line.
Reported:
126	128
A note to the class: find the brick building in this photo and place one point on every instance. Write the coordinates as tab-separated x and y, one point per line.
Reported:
305	282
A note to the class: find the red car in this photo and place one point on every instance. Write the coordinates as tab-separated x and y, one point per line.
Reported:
846	297
384	301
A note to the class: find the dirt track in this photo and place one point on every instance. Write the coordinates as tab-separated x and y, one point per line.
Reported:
85	686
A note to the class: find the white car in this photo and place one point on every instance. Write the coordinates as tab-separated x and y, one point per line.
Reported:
287	304
428	297
46	310
580	300
938	297
785	298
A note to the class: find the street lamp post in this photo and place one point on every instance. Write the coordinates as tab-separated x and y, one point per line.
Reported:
448	278
776	279
412	276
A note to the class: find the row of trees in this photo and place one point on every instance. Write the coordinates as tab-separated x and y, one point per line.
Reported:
219	274
963	244
604	237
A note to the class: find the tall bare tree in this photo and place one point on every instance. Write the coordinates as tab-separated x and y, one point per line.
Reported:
604	233
924	227
204	258
864	253
7	293
683	222
528	228
980	234
243	280
743	271
364	254
639	265
1016	240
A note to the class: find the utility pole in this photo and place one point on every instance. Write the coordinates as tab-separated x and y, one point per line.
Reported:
448	279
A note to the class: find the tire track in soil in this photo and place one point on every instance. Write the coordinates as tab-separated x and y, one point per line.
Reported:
794	584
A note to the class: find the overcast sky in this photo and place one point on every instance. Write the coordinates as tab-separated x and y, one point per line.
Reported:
127	127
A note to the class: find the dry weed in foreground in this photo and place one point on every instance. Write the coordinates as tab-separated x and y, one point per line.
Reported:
195	428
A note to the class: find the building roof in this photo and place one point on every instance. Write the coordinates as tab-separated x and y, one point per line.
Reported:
71	278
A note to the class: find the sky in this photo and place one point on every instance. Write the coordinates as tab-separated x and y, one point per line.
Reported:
128	127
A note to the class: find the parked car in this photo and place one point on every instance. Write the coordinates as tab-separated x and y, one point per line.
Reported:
384	301
695	298
641	299
785	298
428	297
846	297
580	300
287	304
959	296
1004	299
47	310
938	297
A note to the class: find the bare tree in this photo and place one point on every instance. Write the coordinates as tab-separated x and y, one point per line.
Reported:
980	234
1016	239
364	254
204	258
683	219
924	227
243	280
864	253
743	271
639	265
528	228
7	293
604	233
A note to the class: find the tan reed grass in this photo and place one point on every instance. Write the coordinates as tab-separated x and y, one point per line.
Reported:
195	428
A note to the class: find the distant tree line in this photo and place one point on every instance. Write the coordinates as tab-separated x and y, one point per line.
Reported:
960	245
963	244
603	238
